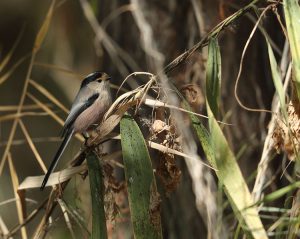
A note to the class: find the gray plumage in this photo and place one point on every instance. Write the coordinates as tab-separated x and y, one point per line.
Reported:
90	104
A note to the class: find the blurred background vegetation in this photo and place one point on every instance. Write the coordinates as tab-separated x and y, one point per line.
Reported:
121	37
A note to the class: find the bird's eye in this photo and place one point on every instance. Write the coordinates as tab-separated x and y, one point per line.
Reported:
99	81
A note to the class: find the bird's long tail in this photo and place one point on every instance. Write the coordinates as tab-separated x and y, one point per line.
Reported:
57	156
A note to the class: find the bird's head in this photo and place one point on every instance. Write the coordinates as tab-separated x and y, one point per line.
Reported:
96	76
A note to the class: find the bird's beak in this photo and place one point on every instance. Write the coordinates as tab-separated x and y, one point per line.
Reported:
107	78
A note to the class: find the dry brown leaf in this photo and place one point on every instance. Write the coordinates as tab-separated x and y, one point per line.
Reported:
46	93
194	96
159	126
112	188
55	178
44	28
110	123
286	137
15	107
66	216
168	172
157	104
154	207
20	198
3	228
32	146
122	98
16	115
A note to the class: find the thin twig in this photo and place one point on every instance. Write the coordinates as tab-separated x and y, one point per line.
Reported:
38	41
204	41
20	209
66	216
32	146
103	37
267	150
241	66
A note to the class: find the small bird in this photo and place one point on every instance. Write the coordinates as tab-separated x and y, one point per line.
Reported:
91	103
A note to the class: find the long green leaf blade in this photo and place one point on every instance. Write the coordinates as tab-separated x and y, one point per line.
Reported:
235	185
99	230
213	75
277	79
220	155
292	18
140	181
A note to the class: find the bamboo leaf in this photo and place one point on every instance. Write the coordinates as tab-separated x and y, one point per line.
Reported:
277	79
142	192
204	137
99	230
292	18
230	175
221	157
213	75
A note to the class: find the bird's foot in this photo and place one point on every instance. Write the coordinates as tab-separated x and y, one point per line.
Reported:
86	136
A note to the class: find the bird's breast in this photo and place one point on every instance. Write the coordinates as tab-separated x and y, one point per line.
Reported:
92	115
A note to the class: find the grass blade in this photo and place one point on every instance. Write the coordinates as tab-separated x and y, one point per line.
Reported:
44	28
281	192
7	58
140	181
46	93
235	185
292	18
221	157
38	41
277	80
213	75
99	230
21	211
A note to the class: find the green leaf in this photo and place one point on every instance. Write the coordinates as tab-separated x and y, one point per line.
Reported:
228	172
99	230
203	136
142	192
277	79
281	192
230	175
213	75
222	158
292	18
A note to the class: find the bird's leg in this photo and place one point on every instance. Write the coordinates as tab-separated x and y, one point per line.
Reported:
86	137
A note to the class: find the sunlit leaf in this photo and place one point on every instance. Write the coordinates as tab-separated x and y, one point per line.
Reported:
292	18
221	157
277	79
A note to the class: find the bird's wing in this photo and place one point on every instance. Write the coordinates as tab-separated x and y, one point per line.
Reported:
83	100
79	105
